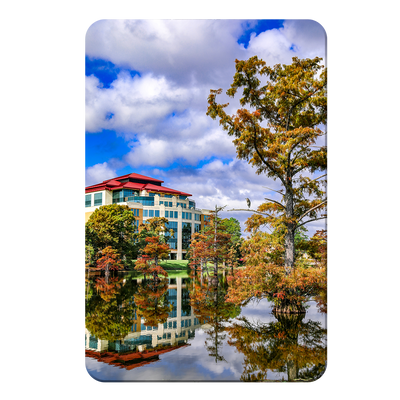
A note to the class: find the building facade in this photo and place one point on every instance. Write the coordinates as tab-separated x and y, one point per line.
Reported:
147	198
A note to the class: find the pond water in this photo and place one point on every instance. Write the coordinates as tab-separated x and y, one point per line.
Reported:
182	329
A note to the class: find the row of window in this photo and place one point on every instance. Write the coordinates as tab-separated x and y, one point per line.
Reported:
151	213
166	203
98	200
120	196
170	325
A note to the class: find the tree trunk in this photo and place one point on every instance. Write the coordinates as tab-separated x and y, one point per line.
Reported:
215	243
289	238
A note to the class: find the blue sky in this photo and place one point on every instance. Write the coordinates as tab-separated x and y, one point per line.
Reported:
147	83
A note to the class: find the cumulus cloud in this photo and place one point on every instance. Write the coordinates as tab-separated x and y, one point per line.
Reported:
184	51
99	173
133	104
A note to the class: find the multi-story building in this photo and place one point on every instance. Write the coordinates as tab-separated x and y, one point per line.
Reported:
147	198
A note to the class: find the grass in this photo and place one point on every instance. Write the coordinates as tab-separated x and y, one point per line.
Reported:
174	265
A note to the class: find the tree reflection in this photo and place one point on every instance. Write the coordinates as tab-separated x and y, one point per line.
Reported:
151	300
110	309
287	345
209	305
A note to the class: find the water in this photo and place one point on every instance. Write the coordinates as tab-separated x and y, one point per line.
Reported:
183	330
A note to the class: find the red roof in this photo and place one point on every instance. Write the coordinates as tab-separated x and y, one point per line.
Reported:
164	189
133	185
135	176
114	184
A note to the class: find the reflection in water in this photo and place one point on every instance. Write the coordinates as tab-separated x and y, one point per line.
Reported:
285	345
186	325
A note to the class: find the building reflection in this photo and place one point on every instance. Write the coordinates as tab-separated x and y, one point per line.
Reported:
145	343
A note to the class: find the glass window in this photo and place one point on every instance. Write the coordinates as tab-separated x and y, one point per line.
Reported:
146	201
186	234
145	213
135	212
88	200
166	214
98	199
156	213
182	197
175	214
118	196
151	213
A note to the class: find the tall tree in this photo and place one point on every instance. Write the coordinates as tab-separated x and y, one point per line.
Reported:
277	134
212	244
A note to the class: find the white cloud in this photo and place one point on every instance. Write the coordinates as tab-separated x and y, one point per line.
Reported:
99	173
133	104
185	51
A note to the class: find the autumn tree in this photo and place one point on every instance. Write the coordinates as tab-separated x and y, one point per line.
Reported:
148	263
278	134
211	244
109	261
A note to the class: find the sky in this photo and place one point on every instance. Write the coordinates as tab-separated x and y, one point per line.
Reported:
147	84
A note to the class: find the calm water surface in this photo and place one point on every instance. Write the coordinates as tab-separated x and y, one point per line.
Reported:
181	329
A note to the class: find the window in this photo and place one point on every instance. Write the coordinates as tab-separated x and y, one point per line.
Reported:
135	212
145	213
197	217
172	242
146	201
98	199
88	200
175	214
166	214
186	234
157	213
197	227
187	215
182	197
151	213
170	204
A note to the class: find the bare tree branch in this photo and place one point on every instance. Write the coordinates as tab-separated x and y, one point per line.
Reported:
277	202
310	220
306	183
255	211
277	191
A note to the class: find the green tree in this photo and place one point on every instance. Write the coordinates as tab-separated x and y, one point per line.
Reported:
232	226
277	134
111	226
